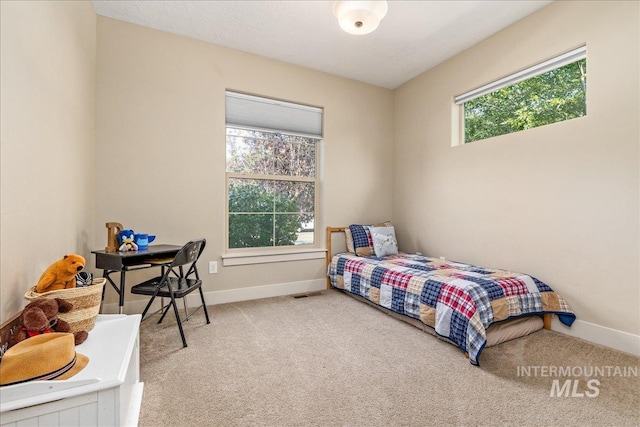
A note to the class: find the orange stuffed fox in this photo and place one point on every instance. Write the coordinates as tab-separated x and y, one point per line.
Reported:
61	274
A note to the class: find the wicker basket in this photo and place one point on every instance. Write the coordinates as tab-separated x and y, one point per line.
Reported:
86	303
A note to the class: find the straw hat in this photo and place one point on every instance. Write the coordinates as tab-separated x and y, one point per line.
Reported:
42	357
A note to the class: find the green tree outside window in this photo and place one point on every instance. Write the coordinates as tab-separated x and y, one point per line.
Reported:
551	97
271	180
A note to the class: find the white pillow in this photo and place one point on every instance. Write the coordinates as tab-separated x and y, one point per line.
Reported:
384	241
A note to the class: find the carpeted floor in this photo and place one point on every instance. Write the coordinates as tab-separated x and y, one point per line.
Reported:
329	360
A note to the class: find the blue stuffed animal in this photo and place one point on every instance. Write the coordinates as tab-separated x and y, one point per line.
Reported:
126	240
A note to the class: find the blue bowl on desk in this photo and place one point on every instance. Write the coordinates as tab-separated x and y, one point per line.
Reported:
143	240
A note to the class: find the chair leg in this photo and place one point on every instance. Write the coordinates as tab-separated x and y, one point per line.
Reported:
164	313
144	312
175	310
204	306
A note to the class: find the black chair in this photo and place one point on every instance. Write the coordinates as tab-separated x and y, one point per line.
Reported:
173	283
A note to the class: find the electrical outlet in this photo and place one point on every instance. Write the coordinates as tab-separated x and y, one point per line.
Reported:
213	267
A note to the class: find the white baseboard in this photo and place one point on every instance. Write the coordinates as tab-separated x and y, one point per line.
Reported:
602	335
231	295
266	291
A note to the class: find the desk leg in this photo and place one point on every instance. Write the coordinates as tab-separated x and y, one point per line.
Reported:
106	274
122	289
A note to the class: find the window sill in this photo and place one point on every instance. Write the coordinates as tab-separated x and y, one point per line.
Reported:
246	258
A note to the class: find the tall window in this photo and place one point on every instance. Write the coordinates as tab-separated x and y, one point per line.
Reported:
549	92
271	172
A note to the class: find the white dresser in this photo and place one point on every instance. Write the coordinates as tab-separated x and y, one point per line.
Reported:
107	392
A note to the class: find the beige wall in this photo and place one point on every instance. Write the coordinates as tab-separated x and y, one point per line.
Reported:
559	202
161	140
48	52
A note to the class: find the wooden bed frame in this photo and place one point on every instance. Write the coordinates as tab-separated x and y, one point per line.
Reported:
546	317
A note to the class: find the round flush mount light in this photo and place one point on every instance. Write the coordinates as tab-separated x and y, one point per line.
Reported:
359	16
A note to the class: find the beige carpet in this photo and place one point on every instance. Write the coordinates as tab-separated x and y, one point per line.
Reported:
329	360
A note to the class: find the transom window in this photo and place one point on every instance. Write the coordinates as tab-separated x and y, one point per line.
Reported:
549	92
271	174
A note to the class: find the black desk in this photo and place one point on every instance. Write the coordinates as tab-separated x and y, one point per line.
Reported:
113	262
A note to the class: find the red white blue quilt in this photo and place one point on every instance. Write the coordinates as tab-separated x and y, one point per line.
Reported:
458	300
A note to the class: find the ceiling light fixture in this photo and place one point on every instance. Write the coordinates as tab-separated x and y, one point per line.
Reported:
359	16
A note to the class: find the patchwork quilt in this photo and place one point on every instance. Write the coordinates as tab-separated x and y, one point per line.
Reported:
458	300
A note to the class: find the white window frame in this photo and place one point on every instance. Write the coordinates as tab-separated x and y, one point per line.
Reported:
559	61
271	115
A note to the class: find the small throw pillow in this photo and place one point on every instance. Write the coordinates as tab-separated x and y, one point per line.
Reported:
384	241
361	236
362	243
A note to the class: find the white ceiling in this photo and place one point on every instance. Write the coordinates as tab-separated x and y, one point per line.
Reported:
413	37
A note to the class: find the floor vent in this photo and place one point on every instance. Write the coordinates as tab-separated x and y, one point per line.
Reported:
313	294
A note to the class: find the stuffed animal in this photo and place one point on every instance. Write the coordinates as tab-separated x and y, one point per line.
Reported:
61	274
126	239
83	279
41	317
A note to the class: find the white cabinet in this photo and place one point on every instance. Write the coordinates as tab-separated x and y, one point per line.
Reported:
107	392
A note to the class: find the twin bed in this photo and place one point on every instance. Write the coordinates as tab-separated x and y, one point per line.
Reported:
469	306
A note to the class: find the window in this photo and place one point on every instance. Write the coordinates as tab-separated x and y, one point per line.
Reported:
549	92
271	172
